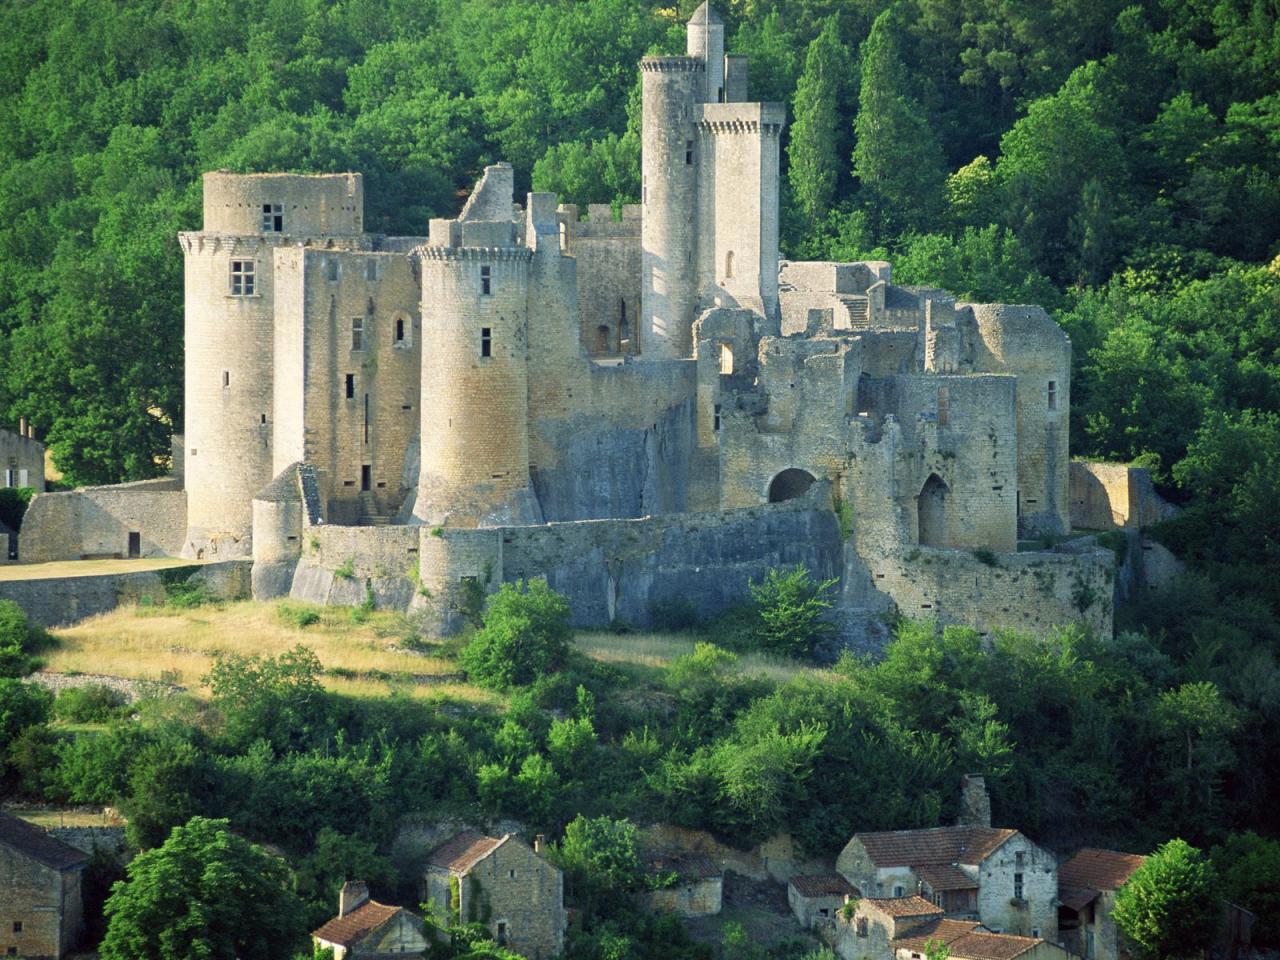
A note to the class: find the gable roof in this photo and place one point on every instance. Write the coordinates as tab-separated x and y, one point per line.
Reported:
967	940
937	931
903	906
1095	869
34	843
464	851
933	845
945	876
346	931
823	885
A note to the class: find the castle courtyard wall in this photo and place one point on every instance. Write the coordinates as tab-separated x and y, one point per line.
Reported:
97	521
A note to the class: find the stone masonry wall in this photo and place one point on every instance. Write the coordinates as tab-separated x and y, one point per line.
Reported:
1035	914
21	461
97	521
525	893
45	902
1108	496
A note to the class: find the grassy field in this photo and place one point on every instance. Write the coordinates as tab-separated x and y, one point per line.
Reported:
89	568
656	650
45	817
178	646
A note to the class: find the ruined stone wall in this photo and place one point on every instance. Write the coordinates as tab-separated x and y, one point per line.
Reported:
1028	592
1110	496
21	461
97	521
697	897
609	270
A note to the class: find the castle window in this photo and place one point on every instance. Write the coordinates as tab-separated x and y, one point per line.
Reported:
862	926
272	218
717	418
1053	394
728	265
366	476
688	152
242	278
366	420
502	933
226	378
486	282
331	268
357	333
944	406
399	329
17	926
486	341
351	386
644	190
564	237
726	359
371	269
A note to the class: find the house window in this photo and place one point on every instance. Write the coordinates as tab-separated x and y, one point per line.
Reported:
486	341
688	152
399	329
824	912
1020	858
351	386
1035	932
1017	886
17	926
242	278
486	281
371	269
331	266
898	891
357	333
1053	394
862	926
272	218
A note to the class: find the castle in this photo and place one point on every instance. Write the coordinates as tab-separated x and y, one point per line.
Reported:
641	409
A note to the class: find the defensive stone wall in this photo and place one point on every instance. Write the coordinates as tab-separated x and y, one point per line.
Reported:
1111	496
59	601
1027	592
347	565
99	522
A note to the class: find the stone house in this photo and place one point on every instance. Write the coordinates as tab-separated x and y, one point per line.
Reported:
818	897
968	871
1087	886
41	914
367	930
968	940
505	884
21	458
697	889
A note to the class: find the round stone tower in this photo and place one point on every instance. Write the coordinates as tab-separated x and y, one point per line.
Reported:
668	236
475	389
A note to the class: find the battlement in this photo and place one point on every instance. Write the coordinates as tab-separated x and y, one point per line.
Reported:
742	117
672	64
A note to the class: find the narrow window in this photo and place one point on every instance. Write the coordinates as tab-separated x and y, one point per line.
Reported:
272	218
242	278
366	420
226	379
1020	858
717	419
644	190
264	418
728	265
502	933
357	333
366	476
351	386
1053	395
688	152
897	891
371	269
564	237
944	406
486	282
726	359
862	926
17	926
720	94
399	329
486	341
1017	886
331	265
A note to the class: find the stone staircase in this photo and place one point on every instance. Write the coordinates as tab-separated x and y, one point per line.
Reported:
859	309
369	515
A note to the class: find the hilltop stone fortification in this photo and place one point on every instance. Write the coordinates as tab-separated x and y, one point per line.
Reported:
647	409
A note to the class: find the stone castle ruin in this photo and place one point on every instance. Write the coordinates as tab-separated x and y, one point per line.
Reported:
646	410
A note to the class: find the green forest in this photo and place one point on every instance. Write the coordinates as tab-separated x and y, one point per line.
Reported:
1117	162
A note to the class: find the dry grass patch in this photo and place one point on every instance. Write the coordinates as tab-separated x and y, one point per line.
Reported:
75	817
657	650
161	643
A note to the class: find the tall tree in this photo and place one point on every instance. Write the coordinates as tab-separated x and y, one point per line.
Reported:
813	157
896	156
1168	907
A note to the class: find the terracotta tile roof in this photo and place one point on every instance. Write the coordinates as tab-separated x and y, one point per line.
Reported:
356	925
35	843
1094	869
690	866
909	848
823	885
945	876
1076	898
937	931
903	906
464	851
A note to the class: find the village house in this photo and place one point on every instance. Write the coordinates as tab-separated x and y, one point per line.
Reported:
40	908
21	458
817	897
690	884
505	884
367	930
969	940
1087	885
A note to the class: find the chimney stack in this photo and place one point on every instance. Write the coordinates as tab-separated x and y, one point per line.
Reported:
975	802
539	842
354	894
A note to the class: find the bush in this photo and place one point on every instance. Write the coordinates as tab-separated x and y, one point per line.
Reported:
13	505
22	705
94	703
525	635
297	615
18	639
792	612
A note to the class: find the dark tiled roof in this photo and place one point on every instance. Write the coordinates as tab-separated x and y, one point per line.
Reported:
1094	869
690	866
35	843
1076	898
904	906
945	876
934	845
464	851
936	931
823	885
967	940
356	925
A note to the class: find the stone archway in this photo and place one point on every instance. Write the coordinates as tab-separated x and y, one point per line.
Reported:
931	506
789	484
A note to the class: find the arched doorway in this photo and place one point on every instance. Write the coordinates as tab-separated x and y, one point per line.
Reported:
789	484
932	508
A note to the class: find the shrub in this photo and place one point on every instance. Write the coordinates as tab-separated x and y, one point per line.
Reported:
298	615
347	569
94	703
22	705
525	635
792	611
987	556
674	613
18	639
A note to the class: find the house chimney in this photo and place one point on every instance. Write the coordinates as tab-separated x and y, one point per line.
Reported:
539	842
975	802
22	426
354	894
